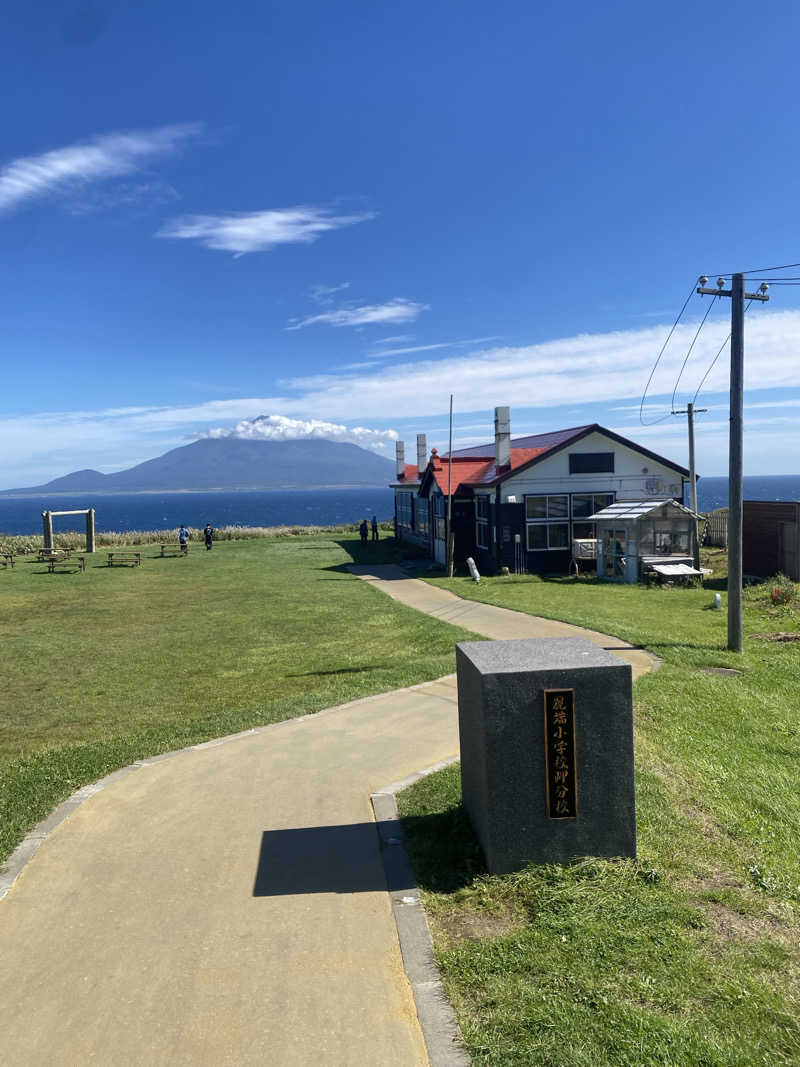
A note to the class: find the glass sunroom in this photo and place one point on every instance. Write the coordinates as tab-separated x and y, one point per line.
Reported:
641	538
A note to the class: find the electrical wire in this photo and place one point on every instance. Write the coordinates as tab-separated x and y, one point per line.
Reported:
714	360
658	359
760	270
691	346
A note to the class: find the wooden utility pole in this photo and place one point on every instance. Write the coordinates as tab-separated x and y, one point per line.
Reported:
450	536
735	467
690	413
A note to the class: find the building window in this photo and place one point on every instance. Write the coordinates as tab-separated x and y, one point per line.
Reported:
583	505
482	521
439	517
421	516
404	509
547	520
591	463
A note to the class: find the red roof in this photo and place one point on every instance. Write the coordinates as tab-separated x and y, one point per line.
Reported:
468	471
411	475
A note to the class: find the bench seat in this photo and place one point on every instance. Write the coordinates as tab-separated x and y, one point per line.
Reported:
124	557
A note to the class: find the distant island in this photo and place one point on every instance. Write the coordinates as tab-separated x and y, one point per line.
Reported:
231	463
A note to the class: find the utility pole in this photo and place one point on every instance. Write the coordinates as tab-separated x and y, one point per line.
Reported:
690	413
735	491
450	535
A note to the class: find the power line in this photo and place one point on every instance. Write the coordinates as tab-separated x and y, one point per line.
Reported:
691	346
714	360
658	358
760	270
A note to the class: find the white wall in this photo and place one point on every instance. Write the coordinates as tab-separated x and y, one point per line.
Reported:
630	480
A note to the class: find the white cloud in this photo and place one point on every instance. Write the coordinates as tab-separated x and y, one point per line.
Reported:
384	353
260	231
281	428
396	340
103	157
323	294
397	310
588	368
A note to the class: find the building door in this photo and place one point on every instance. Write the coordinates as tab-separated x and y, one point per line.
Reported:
614	553
789	550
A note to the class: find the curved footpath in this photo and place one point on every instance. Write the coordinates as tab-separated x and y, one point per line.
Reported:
227	904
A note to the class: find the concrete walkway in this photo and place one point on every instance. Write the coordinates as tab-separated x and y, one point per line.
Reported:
227	904
499	624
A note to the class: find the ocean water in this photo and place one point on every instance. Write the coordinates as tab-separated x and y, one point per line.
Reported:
301	507
162	511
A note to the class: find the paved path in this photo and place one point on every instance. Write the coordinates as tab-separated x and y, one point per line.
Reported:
500	624
227	904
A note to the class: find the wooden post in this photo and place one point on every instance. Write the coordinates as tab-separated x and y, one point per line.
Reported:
735	468
47	522
90	546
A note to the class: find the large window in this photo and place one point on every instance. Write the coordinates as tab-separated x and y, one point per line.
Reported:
404	509
591	463
547	522
440	517
421	516
482	521
584	505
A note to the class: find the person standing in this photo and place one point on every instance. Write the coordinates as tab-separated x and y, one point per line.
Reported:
208	535
183	539
374	527
363	531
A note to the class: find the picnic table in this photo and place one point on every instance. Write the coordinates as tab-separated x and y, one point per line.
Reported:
8	559
173	546
54	553
69	561
124	556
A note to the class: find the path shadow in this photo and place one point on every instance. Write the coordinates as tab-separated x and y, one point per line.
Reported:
325	859
342	670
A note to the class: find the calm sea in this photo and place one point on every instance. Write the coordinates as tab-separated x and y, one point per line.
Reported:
164	511
317	507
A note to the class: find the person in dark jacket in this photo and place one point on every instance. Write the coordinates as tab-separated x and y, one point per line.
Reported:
363	531
183	538
208	536
374	527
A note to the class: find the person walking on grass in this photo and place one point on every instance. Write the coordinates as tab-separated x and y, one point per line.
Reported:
183	539
208	535
374	527
363	531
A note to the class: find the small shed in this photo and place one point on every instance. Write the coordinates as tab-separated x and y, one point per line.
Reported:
637	538
771	538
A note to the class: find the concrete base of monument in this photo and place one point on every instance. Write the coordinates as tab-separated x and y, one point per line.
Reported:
546	731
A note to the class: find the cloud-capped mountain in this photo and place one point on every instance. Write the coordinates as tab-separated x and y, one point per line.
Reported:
233	463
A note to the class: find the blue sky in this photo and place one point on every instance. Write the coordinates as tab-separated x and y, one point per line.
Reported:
337	215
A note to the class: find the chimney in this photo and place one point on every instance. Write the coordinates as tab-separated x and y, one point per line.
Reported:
400	452
502	438
422	453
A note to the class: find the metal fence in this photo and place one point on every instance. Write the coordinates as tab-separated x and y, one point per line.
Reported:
715	530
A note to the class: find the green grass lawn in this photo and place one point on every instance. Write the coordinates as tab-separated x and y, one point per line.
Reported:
688	955
115	664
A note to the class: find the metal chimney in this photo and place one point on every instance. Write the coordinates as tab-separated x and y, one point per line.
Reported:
422	453
502	437
400	452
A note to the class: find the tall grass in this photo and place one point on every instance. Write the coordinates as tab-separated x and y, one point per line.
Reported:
75	539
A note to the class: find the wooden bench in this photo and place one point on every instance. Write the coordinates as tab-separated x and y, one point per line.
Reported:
124	556
175	546
79	562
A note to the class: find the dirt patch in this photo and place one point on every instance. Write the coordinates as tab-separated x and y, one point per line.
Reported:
474	926
780	635
731	926
726	672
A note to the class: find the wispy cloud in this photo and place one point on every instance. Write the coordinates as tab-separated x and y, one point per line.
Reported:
323	294
103	157
384	353
260	231
397	310
281	428
398	339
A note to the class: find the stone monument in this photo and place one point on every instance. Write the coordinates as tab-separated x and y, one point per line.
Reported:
546	730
